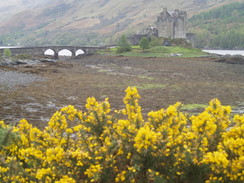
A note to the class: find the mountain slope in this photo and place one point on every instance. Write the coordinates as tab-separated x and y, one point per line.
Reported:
62	21
9	8
221	27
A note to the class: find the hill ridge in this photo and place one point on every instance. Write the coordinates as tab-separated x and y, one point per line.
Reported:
47	22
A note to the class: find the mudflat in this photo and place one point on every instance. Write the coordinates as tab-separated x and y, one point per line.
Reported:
47	87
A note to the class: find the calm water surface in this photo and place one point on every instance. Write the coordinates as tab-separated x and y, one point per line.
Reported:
226	52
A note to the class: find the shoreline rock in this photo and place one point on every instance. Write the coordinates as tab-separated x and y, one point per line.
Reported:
229	59
14	61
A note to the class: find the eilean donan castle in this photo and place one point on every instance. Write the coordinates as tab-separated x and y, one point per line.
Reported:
171	24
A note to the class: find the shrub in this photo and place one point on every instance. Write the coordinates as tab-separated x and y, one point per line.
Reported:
121	50
154	41
7	52
7	137
177	42
121	146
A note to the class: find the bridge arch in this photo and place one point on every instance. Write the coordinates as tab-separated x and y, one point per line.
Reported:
79	52
65	52
49	52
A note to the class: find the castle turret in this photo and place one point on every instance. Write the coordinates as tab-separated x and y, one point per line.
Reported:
165	12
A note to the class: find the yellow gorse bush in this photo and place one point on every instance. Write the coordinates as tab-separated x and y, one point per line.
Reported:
103	146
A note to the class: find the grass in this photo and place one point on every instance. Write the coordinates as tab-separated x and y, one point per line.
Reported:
158	51
193	106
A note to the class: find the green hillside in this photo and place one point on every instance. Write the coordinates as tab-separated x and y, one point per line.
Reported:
222	27
82	22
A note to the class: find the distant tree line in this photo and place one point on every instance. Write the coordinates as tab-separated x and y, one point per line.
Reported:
222	27
228	40
223	12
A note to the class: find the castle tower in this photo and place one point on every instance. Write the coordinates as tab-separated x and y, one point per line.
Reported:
172	24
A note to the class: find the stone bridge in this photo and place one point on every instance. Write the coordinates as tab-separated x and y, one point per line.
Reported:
56	49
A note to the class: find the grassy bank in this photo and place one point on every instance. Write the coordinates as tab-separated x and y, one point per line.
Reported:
158	51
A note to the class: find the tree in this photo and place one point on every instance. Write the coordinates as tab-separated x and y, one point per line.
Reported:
123	45
7	52
144	43
154	41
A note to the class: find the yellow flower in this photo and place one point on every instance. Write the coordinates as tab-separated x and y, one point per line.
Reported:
132	169
93	170
120	177
172	109
69	131
70	111
133	110
146	138
66	179
128	155
2	124
91	103
204	123
216	159
3	169
54	154
43	172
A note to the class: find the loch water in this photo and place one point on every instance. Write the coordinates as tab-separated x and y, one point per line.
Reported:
226	52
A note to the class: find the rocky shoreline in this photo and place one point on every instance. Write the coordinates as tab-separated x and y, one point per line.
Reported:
11	77
229	59
30	61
